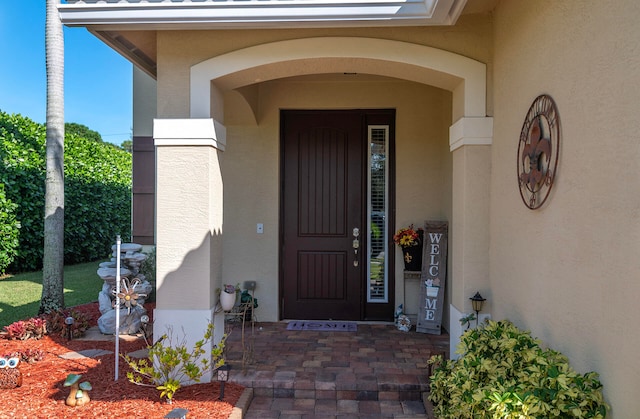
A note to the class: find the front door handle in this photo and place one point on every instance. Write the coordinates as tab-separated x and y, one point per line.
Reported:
356	246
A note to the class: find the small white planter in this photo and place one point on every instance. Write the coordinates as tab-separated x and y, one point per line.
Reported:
227	301
432	291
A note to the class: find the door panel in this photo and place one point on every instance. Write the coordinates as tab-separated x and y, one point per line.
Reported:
322	204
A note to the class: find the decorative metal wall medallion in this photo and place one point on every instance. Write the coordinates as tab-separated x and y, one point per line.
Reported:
538	151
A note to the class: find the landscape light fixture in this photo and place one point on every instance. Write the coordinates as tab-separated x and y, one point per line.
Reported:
144	322
223	377
477	301
69	322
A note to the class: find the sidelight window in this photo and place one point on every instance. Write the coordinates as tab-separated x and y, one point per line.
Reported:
377	209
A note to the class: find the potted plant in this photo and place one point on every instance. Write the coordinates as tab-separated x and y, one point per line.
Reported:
410	241
248	302
228	297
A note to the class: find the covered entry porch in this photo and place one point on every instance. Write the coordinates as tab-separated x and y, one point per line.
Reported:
229	151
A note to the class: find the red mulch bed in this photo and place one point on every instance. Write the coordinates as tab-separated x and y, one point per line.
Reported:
42	394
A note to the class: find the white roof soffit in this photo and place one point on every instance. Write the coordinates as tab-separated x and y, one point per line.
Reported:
206	14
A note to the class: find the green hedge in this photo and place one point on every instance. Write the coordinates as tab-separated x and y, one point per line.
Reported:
97	192
9	231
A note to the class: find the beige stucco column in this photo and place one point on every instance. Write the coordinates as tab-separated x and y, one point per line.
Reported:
188	226
470	142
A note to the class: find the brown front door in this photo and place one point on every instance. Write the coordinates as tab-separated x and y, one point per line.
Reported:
322	204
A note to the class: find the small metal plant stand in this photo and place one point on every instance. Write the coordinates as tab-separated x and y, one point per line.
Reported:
244	313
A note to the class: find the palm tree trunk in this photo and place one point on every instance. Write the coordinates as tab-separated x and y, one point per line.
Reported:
53	262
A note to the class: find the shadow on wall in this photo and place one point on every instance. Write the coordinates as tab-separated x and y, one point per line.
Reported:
193	284
185	296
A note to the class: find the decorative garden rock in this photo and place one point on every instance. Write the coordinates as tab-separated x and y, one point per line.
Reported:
127	247
130	322
134	290
108	275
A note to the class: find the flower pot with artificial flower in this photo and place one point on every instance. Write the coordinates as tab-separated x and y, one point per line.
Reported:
228	297
410	241
432	286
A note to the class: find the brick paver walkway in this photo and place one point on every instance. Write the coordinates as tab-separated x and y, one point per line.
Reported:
377	371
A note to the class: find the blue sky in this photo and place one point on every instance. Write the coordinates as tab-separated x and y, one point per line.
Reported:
98	86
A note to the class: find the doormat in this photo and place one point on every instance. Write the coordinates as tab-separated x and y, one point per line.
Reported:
323	326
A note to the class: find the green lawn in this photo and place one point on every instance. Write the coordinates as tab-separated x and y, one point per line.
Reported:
20	294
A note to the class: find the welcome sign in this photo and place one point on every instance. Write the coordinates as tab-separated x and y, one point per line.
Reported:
433	277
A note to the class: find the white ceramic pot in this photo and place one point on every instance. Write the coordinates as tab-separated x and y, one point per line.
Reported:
227	301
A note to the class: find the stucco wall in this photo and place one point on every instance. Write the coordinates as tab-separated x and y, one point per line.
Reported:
144	103
190	211
251	169
569	271
470	228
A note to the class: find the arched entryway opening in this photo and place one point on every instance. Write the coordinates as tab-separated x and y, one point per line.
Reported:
245	69
464	77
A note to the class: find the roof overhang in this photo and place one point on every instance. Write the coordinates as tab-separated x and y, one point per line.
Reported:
238	14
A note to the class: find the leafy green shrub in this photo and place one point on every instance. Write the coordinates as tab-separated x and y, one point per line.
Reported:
504	373
82	131
23	173
97	198
97	191
9	231
171	363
